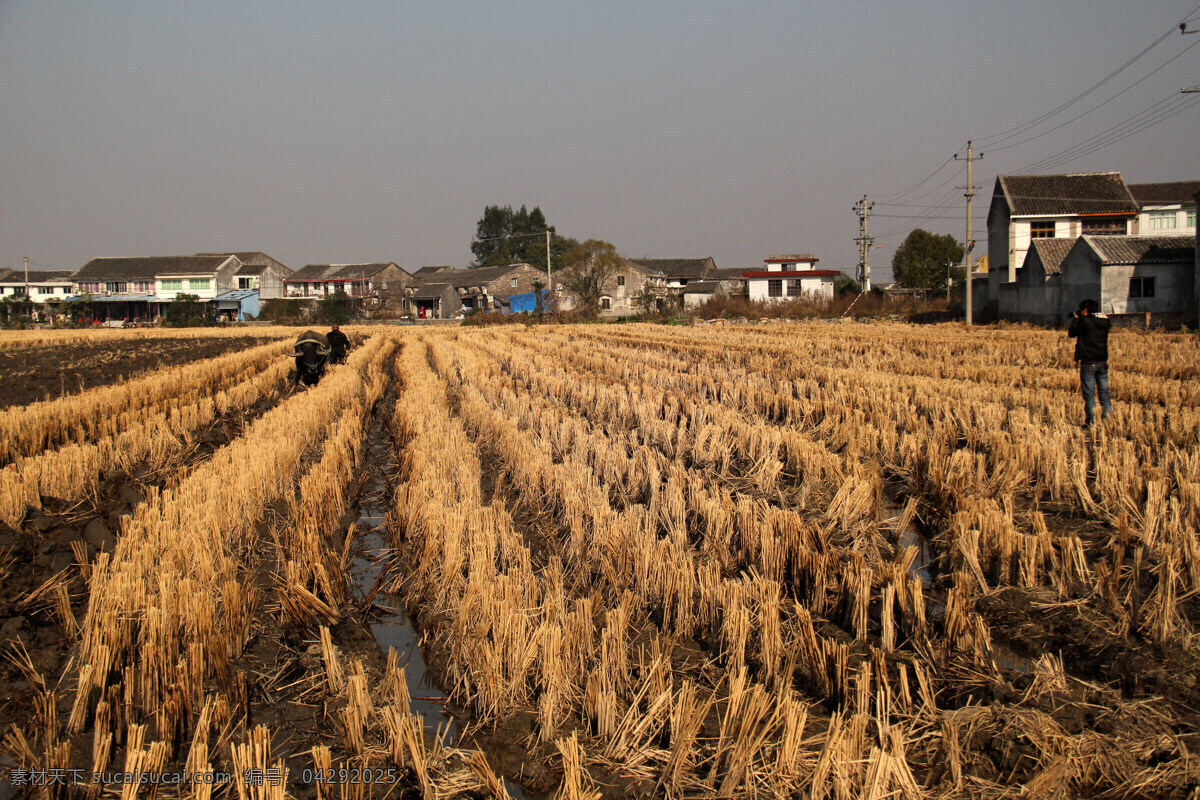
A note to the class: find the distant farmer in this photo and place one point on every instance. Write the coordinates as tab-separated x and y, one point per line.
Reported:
339	344
1089	328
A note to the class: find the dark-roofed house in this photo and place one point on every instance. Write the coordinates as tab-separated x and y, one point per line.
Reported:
1029	207
1166	209
45	286
259	273
433	299
632	289
363	282
679	271
1036	295
1132	275
136	288
488	288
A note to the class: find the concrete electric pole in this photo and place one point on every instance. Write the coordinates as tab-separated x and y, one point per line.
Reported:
863	209
968	243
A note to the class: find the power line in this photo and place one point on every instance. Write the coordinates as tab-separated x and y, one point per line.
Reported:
1096	107
1003	136
1130	127
919	183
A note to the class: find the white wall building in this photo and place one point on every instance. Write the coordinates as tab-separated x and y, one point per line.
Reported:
788	277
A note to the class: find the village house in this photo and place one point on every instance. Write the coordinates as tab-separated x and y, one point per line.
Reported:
477	288
45	286
1044	220
790	276
1132	275
678	272
138	288
1165	209
1025	208
625	288
1036	296
369	285
259	273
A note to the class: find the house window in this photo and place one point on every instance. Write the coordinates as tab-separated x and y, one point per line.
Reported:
1191	217
512	282
1041	229
1141	287
172	286
794	288
244	283
605	303
1104	226
143	286
620	280
199	283
1161	220
775	287
113	287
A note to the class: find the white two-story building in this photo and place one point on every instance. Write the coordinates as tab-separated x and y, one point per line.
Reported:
788	277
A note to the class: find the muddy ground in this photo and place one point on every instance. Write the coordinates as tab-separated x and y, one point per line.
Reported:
46	372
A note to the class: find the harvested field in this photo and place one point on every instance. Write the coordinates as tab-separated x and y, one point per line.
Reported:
52	366
829	561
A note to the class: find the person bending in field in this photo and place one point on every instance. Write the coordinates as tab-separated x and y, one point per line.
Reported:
339	345
1089	329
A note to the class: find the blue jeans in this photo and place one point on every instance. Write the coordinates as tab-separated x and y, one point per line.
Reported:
1093	380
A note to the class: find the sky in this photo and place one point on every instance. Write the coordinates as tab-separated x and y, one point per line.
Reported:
351	131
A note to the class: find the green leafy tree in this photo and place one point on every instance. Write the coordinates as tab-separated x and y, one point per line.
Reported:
186	311
844	284
336	308
587	269
925	260
504	236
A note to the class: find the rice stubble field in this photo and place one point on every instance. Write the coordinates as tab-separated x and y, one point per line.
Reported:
810	560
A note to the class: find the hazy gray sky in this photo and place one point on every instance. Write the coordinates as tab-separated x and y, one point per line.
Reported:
369	131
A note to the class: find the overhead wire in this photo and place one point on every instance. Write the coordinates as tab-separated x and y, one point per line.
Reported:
994	139
1146	118
994	149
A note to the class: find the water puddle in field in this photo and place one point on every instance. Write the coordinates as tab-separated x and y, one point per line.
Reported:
394	629
920	565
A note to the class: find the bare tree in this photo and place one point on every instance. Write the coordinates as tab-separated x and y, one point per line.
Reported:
589	266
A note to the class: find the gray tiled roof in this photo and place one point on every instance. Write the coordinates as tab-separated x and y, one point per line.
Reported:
1084	193
1144	249
433	289
424	272
477	276
678	267
702	287
338	272
146	268
1052	252
40	276
1164	194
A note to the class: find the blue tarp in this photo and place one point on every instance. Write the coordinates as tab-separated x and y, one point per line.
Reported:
525	302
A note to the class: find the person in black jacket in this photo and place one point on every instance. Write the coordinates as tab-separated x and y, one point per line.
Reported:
339	344
1089	328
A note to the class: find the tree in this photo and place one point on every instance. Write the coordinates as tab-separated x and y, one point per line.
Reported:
186	311
925	260
844	284
336	308
587	270
504	236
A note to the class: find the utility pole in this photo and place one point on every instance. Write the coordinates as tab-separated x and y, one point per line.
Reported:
968	243
863	209
26	258
549	274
